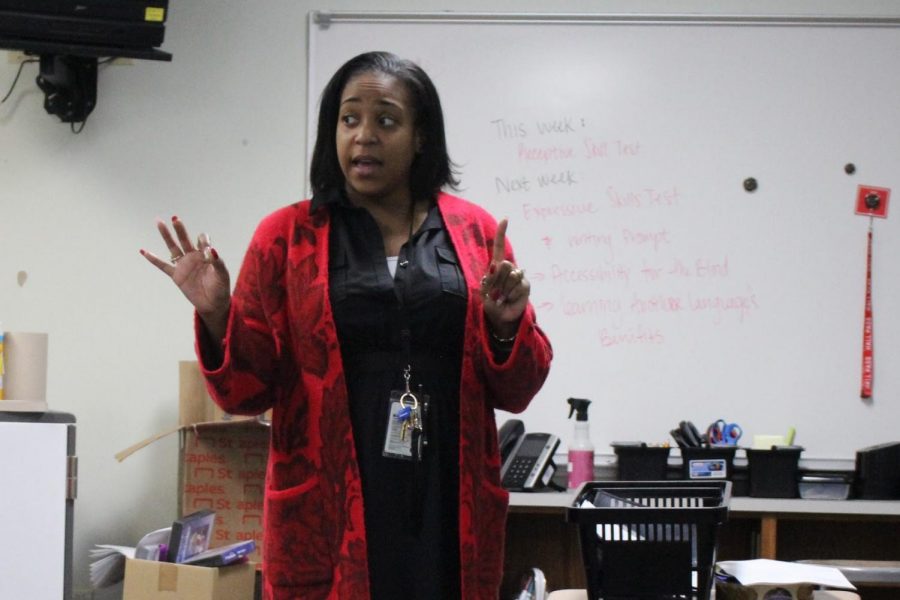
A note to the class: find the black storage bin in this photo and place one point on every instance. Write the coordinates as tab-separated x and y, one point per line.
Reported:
711	462
740	481
649	539
773	473
640	462
878	472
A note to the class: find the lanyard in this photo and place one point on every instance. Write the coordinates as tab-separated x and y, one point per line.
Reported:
419	437
407	263
418	424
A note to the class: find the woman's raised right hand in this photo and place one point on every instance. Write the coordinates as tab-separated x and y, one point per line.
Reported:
198	272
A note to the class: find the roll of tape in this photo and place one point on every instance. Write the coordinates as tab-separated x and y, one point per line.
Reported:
765	442
26	366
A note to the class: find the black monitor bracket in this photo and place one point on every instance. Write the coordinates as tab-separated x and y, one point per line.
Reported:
69	84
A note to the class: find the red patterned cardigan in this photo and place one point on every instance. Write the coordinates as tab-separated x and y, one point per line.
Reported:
281	351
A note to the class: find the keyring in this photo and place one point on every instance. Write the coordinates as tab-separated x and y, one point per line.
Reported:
415	401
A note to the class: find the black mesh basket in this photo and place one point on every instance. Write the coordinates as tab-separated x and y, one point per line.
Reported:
649	539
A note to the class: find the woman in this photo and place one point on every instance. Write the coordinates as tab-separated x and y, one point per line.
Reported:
383	321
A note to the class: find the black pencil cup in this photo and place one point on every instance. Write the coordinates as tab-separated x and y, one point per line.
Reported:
640	462
773	472
708	463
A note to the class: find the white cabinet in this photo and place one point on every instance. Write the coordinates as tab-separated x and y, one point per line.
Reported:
37	489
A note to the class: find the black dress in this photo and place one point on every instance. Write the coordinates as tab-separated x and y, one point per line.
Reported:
411	509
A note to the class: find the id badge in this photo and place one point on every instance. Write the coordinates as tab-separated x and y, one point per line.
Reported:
405	434
398	438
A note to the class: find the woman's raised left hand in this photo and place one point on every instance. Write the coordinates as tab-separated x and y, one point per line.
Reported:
504	289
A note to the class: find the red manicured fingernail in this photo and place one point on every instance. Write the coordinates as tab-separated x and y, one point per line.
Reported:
495	294
493	268
175	218
214	253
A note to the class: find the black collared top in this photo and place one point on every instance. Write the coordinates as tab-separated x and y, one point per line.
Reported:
411	513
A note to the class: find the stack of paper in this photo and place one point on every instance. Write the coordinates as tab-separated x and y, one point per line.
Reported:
108	560
773	572
108	564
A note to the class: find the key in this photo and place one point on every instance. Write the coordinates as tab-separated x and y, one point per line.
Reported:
414	426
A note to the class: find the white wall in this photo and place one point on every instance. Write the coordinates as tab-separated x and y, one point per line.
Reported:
215	137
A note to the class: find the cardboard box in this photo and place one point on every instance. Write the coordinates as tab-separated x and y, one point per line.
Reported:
221	462
150	580
222	466
736	591
194	402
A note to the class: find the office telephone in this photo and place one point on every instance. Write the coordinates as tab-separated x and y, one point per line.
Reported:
526	458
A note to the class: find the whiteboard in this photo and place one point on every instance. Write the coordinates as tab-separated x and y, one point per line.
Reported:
619	149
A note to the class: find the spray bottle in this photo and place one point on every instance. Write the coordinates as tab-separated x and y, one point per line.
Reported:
581	450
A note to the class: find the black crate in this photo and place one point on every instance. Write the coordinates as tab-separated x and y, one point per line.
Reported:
649	540
640	462
878	472
773	473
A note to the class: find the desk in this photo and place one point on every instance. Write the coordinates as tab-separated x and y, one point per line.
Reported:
769	511
786	529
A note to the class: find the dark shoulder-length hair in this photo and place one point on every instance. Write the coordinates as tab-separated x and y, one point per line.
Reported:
431	169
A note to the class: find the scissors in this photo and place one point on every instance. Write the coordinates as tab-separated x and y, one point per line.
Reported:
721	433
